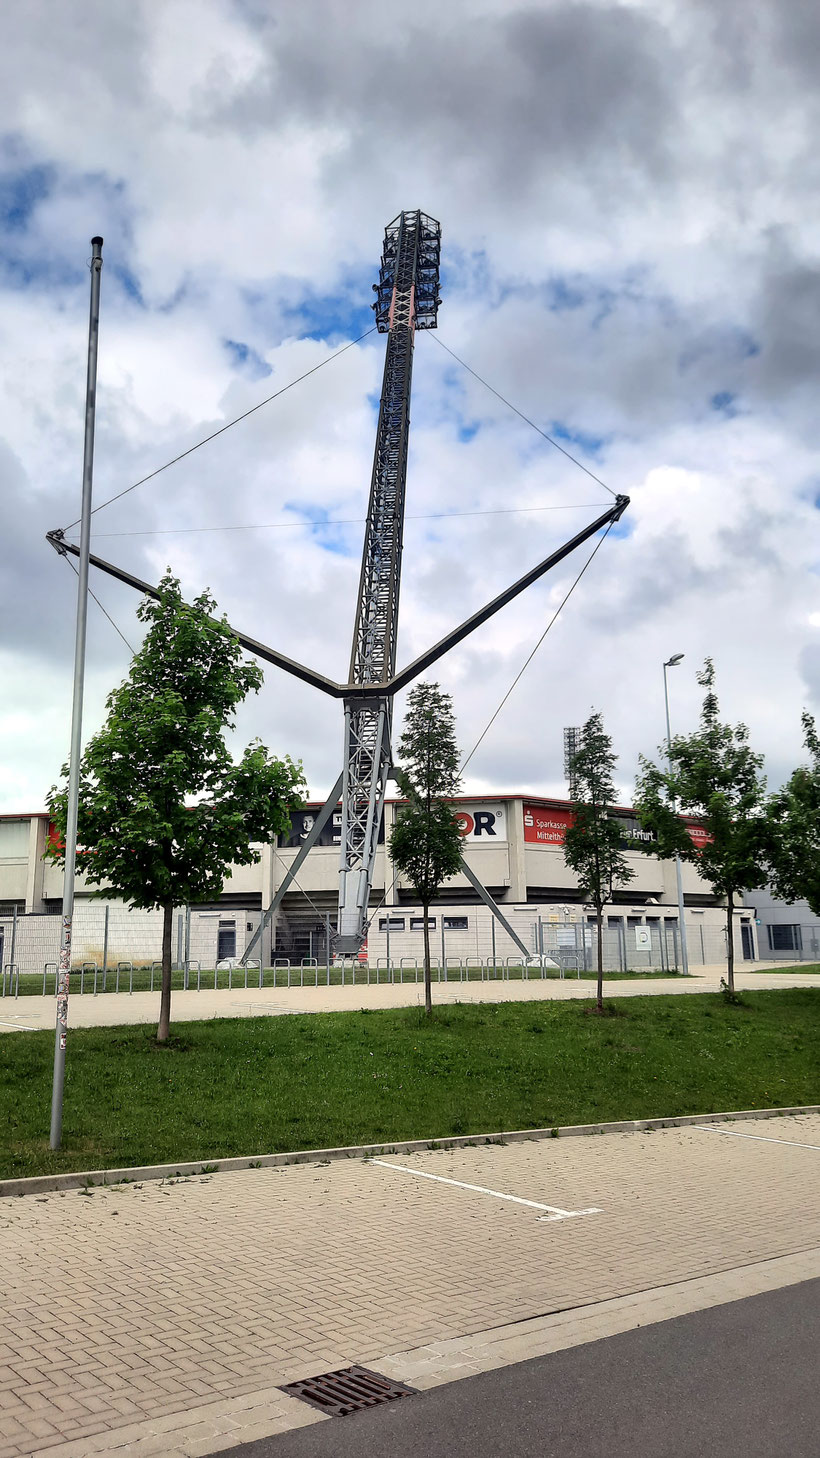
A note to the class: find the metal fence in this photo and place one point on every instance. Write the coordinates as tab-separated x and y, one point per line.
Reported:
89	978
108	935
798	942
119	951
631	945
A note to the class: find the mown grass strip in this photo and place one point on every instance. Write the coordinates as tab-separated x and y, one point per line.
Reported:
259	1085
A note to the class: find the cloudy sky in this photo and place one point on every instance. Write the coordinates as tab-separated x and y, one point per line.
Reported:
628	201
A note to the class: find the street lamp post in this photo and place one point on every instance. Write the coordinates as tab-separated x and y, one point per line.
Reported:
684	952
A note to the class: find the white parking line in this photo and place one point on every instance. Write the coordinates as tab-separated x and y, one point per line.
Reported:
554	1212
22	1027
763	1138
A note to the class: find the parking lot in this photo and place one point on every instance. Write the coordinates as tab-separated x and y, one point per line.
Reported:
139	1305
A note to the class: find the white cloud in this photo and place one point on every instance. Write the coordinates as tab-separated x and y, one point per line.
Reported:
629	254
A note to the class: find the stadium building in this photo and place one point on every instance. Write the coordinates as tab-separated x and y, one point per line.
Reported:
513	843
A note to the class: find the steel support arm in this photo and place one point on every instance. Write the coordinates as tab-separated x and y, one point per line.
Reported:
290	875
406	675
495	909
298	670
375	691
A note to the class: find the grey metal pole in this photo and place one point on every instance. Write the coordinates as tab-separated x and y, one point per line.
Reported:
684	948
186	978
13	956
105	939
72	807
327	946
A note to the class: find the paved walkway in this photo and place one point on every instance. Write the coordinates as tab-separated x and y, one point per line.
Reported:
161	1318
114	1009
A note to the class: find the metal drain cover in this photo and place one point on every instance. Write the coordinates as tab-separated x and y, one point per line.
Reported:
350	1390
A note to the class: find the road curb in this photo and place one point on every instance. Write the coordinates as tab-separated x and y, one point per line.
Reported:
84	1179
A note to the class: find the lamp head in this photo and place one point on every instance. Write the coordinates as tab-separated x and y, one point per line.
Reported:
671	662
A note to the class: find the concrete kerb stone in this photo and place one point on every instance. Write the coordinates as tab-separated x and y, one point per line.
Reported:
85	1179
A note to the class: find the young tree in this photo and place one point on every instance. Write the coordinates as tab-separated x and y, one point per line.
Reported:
164	810
593	846
425	842
795	828
715	775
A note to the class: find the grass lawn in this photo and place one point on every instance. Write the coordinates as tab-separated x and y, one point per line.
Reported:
808	967
257	1085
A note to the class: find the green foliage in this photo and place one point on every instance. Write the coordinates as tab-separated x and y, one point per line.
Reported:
164	810
425	843
795	827
593	845
715	775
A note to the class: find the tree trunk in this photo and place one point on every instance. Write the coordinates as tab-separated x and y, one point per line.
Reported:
600	910
165	996
428	987
730	941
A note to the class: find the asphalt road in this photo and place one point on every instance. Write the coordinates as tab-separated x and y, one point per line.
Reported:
741	1380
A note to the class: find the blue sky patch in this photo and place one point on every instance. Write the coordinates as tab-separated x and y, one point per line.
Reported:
725	404
129	282
245	358
346	312
623	528
330	538
20	192
581	440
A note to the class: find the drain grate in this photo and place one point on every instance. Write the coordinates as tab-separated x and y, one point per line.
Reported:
350	1390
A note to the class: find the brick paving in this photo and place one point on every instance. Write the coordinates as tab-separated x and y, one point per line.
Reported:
128	1311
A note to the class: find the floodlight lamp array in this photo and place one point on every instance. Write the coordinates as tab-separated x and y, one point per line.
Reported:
426	277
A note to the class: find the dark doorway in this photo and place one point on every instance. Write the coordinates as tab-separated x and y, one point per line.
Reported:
747	941
226	940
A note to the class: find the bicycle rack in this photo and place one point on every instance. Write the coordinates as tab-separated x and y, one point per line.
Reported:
309	962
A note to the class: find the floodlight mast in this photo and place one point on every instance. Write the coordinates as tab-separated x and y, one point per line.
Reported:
406	300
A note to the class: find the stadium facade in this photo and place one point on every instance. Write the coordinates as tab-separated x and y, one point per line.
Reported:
513	842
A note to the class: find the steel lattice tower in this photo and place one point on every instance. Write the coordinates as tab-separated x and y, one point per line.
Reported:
406	300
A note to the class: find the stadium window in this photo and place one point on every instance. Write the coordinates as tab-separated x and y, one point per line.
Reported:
785	938
393	923
455	923
417	923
